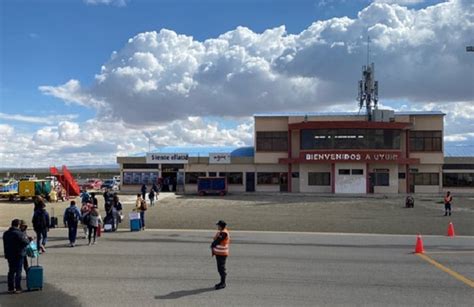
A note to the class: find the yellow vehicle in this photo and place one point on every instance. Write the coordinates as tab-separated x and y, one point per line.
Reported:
31	188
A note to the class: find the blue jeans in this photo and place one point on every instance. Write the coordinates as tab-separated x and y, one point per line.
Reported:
41	237
15	266
72	232
142	217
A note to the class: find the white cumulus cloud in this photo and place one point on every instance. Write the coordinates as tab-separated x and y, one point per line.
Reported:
163	76
119	3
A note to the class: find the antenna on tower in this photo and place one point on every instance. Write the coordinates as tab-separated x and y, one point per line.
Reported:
368	87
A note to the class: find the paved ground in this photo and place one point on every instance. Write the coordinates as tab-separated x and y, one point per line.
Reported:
291	212
174	268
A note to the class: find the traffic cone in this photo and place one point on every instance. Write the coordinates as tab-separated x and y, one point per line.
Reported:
419	245
451	230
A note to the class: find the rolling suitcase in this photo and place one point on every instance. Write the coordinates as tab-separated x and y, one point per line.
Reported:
135	225
53	220
34	276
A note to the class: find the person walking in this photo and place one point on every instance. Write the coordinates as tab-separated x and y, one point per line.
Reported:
95	220
23	228
151	197
143	190
94	200
72	216
85	210
85	197
155	189
41	227
14	247
448	198
141	207
220	249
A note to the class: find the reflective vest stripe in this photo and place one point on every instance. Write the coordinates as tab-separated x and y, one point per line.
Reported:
223	248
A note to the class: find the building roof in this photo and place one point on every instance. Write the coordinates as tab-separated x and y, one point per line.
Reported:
284	114
204	151
459	150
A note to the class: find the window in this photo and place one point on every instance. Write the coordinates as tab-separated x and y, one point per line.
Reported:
381	177
212	174
268	178
319	178
192	178
233	178
140	178
272	140
295	175
357	172
425	140
349	139
401	175
458	166
426	179
460	180
344	172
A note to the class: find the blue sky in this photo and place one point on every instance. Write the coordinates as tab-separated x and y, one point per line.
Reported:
48	43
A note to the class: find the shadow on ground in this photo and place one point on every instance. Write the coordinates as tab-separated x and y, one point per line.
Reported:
183	293
50	296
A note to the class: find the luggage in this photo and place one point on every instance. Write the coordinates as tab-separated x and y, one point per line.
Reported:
53	220
135	225
34	276
99	230
32	250
108	228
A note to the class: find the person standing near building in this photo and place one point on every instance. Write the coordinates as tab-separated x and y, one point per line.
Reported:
447	203
155	189
220	249
14	247
72	216
41	227
143	190
151	197
141	207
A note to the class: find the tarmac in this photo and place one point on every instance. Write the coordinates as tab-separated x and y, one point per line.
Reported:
287	212
175	268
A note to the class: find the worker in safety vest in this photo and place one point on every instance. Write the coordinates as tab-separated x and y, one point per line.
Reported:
447	203
220	249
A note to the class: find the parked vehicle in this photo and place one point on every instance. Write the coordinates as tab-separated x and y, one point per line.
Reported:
28	177
110	184
92	184
212	185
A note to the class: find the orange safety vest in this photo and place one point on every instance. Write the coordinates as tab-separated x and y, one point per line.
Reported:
448	199
222	249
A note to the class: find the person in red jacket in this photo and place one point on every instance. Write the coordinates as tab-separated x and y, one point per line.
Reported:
220	249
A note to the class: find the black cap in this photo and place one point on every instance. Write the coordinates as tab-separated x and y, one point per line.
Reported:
221	223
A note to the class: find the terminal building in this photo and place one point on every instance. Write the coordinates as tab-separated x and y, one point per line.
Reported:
378	151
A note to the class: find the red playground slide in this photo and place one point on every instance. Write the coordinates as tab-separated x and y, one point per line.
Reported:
67	180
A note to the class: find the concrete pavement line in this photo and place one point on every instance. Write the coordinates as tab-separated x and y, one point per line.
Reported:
305	232
454	274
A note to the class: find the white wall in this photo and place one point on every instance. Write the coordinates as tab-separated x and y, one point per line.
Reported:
353	184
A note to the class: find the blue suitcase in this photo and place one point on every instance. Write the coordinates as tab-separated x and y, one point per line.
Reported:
34	277
135	225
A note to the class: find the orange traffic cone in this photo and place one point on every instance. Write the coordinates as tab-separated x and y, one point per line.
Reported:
451	230
419	245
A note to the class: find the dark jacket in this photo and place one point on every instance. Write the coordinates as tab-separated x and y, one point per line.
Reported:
14	243
40	220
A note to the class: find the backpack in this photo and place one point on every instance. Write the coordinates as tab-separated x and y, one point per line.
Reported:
86	219
71	216
39	220
143	205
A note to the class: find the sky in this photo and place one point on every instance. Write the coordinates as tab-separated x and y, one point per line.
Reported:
82	81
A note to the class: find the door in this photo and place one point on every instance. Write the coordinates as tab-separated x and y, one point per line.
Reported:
250	182
283	182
